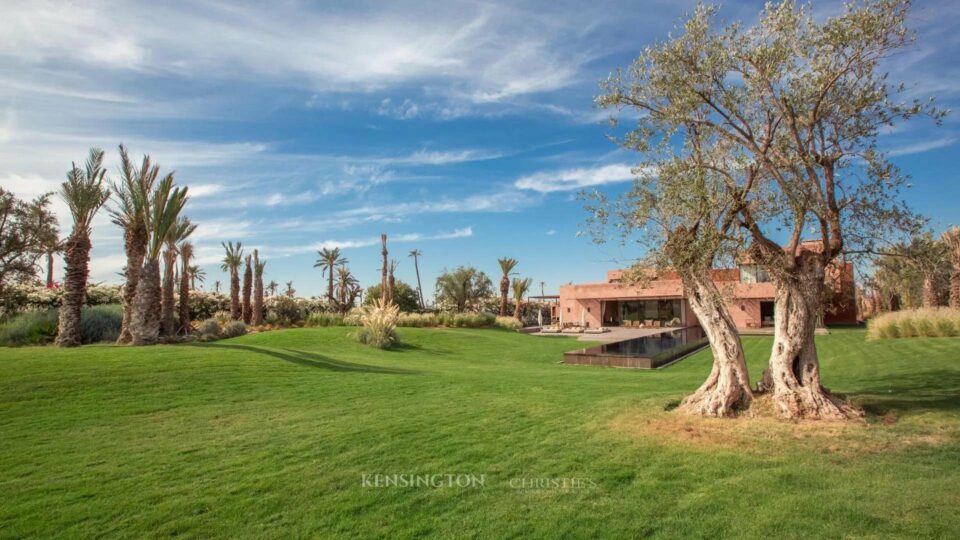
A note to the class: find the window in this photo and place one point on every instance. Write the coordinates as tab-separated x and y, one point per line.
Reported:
751	273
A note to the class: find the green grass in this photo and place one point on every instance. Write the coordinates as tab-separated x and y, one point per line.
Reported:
268	435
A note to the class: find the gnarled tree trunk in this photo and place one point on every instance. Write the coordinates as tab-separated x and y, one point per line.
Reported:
145	322
794	371
77	254
167	327
135	246
727	389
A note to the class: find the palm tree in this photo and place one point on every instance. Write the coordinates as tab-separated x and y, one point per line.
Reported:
246	308
391	282
348	288
84	193
329	260
520	289
197	274
291	292
216	286
232	260
187	275
384	283
132	194
258	267
506	265
416	254
272	287
181	230
165	207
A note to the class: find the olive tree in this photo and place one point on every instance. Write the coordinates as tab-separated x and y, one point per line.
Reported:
804	101
684	208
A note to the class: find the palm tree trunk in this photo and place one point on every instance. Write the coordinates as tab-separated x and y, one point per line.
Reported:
258	301
416	268
519	311
166	301
49	269
184	304
77	254
136	249
384	284
504	290
145	323
234	294
247	307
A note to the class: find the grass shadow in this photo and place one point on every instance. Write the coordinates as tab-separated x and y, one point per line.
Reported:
310	359
926	390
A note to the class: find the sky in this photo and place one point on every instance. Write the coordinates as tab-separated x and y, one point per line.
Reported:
462	129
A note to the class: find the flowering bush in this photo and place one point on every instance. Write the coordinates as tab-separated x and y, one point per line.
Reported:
19	298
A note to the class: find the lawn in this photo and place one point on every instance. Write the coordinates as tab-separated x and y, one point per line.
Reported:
270	435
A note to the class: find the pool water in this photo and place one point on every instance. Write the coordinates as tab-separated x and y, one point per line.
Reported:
645	352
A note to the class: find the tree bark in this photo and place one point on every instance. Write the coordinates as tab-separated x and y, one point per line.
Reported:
258	301
145	322
504	290
518	312
184	300
167	327
49	269
727	389
955	288
234	293
247	307
929	292
793	374
77	254
135	245
416	268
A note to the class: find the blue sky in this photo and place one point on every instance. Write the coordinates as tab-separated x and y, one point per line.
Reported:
463	129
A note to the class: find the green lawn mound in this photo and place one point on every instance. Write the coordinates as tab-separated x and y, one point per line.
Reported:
290	433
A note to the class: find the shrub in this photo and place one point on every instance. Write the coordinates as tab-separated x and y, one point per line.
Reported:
939	322
508	323
379	325
209	327
101	323
204	305
30	328
417	320
234	329
353	317
323	319
287	310
98	324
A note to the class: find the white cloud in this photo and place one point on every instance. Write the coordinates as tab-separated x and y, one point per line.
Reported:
571	179
371	241
923	146
551	232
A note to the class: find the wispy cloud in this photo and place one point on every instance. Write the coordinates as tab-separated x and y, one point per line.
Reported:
923	146
572	179
371	241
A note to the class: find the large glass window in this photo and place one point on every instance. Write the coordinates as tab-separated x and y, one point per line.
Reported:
665	311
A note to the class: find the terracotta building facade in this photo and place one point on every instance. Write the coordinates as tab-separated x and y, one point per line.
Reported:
662	303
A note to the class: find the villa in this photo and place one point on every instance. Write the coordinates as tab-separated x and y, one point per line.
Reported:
662	303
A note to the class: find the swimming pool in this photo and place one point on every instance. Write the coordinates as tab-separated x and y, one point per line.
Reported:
642	352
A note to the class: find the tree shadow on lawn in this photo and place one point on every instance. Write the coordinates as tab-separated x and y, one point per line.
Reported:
309	359
925	390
